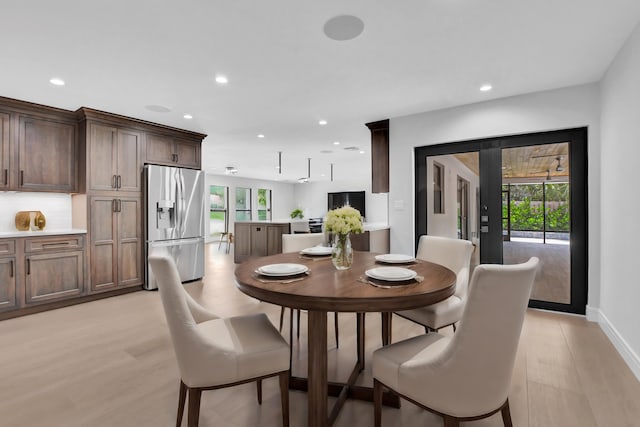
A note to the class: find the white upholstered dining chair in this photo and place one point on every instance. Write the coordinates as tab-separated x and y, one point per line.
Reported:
295	243
214	353
455	254
465	376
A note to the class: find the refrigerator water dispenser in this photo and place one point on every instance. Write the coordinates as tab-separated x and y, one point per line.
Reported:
165	214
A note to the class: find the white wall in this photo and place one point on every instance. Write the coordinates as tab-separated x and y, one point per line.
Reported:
446	224
312	199
552	110
55	207
620	121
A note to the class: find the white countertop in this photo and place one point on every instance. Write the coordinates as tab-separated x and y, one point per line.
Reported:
39	233
375	226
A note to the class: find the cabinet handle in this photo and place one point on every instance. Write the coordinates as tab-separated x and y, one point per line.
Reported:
55	245
12	273
21	178
6	176
28	266
113	181
113	205
119	181
119	205
176	158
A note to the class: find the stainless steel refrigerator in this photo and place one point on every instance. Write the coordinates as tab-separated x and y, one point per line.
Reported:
175	219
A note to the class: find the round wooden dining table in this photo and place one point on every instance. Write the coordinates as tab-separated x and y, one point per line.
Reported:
325	289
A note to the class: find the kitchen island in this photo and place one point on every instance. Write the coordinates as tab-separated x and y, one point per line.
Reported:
258	238
262	238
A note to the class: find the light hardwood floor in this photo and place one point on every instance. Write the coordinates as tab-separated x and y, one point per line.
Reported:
111	363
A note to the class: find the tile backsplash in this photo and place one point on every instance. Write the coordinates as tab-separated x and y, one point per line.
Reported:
55	207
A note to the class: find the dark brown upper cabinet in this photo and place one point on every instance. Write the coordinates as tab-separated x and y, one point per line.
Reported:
379	156
5	121
171	151
38	148
114	158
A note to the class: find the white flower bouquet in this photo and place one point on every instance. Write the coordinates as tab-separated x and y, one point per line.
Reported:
343	221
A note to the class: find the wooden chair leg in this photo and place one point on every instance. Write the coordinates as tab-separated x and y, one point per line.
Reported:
281	318
182	397
259	390
298	325
194	407
377	403
335	318
451	421
284	397
454	327
290	338
506	414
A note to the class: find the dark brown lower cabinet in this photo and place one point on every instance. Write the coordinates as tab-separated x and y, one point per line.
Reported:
7	283
52	276
116	242
54	268
39	270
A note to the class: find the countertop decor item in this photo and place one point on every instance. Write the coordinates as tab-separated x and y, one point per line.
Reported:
30	220
38	221
23	220
341	222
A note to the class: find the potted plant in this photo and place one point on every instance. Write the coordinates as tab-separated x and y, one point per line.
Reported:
297	213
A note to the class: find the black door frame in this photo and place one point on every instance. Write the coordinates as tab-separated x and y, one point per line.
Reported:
490	150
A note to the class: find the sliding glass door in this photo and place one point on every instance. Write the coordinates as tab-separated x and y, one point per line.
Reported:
513	197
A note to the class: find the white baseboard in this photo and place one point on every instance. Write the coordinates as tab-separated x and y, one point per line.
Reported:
627	353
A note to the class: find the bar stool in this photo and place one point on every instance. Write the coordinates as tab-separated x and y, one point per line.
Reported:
226	237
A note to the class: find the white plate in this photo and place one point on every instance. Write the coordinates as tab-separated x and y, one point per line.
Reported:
317	250
391	274
395	258
282	269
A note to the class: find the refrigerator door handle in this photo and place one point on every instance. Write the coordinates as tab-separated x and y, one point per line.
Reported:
183	209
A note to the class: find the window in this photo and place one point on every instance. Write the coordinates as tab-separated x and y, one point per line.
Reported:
218	219
264	204
243	204
438	188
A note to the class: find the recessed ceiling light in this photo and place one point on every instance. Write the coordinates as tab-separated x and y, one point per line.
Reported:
343	27
222	80
361	151
322	122
336	142
326	151
486	88
56	81
260	135
188	116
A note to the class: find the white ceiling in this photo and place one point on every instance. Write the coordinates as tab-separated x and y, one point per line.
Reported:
285	74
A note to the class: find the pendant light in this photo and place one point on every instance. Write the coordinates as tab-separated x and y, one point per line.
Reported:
280	162
331	172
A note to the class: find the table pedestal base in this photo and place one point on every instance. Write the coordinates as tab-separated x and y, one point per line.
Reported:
343	391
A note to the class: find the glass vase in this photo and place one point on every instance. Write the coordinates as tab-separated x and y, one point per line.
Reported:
342	254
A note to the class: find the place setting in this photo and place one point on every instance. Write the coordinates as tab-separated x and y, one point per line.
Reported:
395	259
281	273
316	253
390	277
